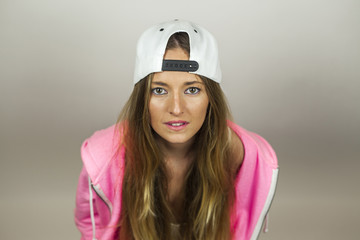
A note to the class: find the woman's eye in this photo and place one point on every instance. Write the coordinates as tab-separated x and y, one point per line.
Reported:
192	90
158	91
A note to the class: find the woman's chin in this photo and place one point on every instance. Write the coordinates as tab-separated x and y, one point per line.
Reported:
178	140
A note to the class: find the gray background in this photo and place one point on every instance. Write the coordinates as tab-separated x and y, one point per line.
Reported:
291	73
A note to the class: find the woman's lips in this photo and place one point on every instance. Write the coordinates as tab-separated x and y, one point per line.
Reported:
176	125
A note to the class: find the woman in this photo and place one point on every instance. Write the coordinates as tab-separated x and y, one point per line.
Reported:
174	166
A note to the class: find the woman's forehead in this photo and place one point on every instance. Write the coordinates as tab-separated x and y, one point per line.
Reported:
173	78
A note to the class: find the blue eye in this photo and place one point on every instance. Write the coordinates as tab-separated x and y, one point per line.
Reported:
158	91
192	90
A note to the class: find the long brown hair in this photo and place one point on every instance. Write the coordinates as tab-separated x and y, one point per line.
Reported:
146	213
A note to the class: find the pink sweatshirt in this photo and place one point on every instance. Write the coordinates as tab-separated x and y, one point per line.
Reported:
98	197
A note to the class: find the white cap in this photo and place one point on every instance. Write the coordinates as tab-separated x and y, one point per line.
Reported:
152	44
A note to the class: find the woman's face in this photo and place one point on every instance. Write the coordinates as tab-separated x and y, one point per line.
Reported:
178	102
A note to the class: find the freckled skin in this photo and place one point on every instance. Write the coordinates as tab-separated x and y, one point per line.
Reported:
173	98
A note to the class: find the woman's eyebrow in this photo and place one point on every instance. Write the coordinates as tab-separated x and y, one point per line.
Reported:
191	83
160	83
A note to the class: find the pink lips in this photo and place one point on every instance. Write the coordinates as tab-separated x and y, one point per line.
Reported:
176	125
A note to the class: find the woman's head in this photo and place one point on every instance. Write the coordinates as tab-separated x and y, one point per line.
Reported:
175	98
180	107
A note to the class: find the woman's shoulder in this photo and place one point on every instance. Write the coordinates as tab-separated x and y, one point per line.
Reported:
99	149
248	141
102	140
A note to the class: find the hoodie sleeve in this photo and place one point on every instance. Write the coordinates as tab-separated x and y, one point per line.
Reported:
82	209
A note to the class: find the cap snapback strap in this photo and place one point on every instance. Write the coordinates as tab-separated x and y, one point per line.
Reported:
180	65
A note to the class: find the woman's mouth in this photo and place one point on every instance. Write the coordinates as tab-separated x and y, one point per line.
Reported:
176	125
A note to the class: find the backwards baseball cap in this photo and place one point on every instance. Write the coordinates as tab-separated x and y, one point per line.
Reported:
203	60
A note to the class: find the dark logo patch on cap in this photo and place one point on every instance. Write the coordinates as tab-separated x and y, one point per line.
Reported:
180	65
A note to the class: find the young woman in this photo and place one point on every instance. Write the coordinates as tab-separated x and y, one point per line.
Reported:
174	166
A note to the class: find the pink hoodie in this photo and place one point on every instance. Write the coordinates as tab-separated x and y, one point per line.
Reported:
98	197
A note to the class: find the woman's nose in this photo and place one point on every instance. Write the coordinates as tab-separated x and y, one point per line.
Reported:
176	104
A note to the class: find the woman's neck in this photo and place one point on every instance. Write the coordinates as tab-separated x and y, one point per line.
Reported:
176	151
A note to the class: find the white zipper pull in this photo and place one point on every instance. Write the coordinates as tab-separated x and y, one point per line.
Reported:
266	223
